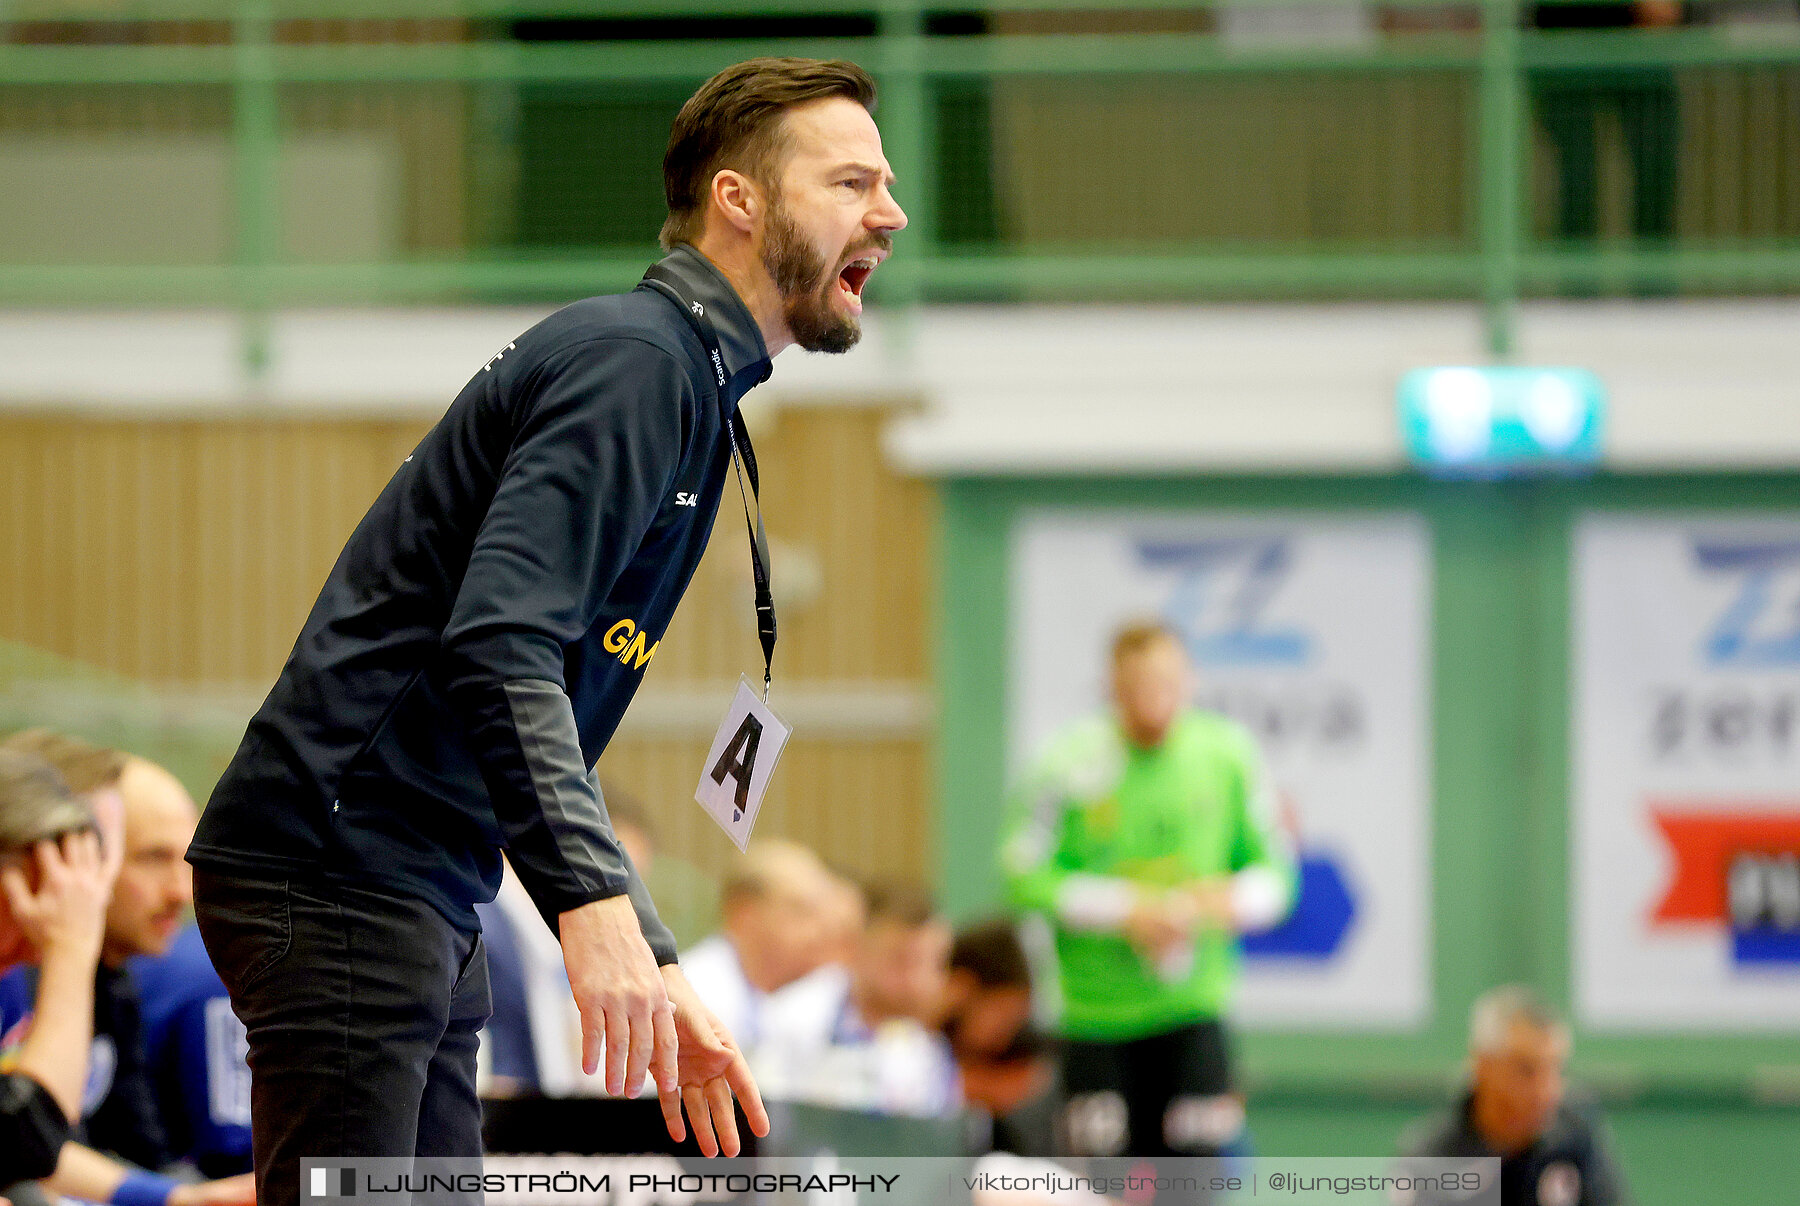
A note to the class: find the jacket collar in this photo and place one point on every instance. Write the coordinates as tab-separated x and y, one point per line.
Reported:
747	363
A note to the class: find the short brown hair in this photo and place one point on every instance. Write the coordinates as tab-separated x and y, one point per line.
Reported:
84	766
992	953
736	121
1139	635
904	904
36	804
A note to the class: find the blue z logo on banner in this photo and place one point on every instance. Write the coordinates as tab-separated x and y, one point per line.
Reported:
1761	626
1221	593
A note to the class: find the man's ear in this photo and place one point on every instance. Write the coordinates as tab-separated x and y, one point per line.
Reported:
738	199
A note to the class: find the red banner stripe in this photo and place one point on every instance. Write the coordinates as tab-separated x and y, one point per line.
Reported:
1703	841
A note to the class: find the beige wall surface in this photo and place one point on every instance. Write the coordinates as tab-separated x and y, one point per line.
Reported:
1380	158
143	173
179	558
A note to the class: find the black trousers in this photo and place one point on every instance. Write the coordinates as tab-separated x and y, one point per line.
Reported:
1167	1094
364	1013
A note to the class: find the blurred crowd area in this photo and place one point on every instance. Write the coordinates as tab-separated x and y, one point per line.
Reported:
872	1025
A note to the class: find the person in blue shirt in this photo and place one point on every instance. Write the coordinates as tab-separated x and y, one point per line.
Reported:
194	1049
121	1142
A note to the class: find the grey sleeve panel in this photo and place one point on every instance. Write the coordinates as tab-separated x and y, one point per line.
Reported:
662	942
557	832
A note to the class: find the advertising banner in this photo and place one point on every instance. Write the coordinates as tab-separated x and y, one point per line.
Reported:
1686	772
1314	631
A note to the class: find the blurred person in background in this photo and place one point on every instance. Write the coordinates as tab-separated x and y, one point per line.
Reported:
846	913
122	1113
774	929
482	634
532	1041
1569	104
526	1043
864	1036
1553	1151
56	874
1146	840
195	1050
1007	1070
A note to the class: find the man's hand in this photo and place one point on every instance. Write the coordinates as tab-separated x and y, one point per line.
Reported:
1159	923
712	1071
1210	900
65	917
625	1010
231	1191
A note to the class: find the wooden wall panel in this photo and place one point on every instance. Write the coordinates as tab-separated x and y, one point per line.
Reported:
183	555
180	552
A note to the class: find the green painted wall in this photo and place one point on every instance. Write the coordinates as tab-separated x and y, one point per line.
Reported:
1500	771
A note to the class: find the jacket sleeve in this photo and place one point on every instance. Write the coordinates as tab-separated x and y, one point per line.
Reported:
598	445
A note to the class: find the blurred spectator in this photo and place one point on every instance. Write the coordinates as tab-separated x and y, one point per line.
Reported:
1570	102
901	967
1146	840
776	907
1515	1108
55	877
195	1050
532	1041
121	1113
1006	1068
862	1037
846	912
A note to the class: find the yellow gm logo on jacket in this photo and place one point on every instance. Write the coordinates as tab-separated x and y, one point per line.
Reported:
625	639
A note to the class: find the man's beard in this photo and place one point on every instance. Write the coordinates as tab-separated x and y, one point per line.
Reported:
807	300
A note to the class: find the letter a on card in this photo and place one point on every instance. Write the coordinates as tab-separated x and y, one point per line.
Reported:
738	766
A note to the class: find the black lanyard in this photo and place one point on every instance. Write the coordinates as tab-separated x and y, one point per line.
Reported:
743	459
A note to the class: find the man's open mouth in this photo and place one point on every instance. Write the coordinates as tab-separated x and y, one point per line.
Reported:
855	275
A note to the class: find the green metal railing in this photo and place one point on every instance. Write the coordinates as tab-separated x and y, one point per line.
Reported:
1496	265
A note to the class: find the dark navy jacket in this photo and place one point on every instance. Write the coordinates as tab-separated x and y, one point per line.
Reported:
1570	1164
492	615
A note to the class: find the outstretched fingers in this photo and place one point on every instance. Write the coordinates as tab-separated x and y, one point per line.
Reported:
670	1100
743	1086
699	1112
724	1118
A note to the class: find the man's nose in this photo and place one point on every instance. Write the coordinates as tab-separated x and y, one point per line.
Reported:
888	215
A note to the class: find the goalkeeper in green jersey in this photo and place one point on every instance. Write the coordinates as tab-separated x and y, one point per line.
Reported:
1147	841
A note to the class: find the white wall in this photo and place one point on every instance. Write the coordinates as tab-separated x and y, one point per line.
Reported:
1027	388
